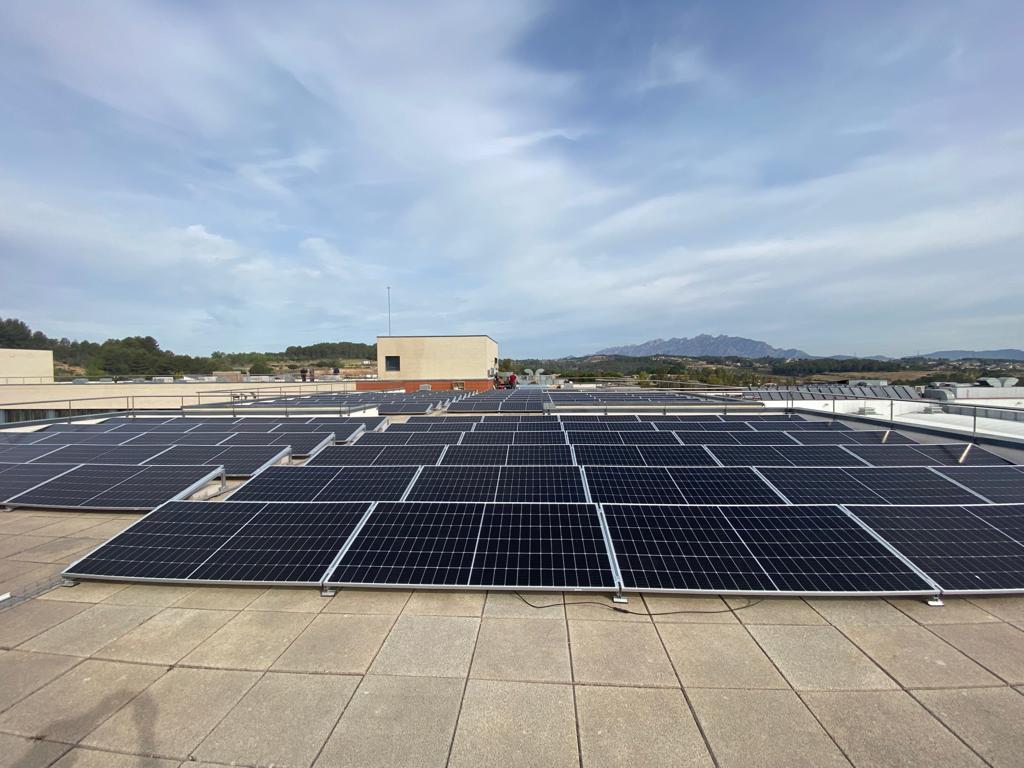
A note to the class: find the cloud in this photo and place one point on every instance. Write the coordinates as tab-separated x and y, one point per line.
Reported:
256	176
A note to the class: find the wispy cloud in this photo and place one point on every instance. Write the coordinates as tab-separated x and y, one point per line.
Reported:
250	176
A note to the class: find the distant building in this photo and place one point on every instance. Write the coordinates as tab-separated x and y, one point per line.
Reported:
440	362
26	366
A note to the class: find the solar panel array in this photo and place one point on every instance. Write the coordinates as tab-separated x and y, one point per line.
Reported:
760	503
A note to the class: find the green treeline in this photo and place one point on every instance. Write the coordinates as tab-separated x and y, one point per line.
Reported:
142	355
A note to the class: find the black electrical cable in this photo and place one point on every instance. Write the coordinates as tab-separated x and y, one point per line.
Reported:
617	609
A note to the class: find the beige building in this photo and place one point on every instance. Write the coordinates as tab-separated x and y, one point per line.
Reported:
26	366
436	358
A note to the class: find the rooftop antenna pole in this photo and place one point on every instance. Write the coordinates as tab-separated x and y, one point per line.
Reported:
389	310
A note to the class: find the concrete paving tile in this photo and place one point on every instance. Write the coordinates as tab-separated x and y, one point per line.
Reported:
84	592
167	637
86	632
718	656
955	611
341	644
434	646
505	605
858	611
64	550
155	595
439	603
305	600
597	607
395	722
997	647
888	728
79	700
22	673
1007	608
917	658
522	649
12	545
220	598
19	752
763	728
820	659
92	758
12	524
383	601
989	719
109	529
72	526
619	654
173	716
629	727
31	581
33	617
695	609
515	724
251	640
774	610
283	721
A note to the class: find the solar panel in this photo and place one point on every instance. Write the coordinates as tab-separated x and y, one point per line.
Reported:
101	454
105	486
541	546
22	454
85	438
675	456
284	543
610	455
549	484
455	483
530	437
286	484
301	444
539	454
413	544
516	426
21	438
690	437
347	455
490	438
475	454
865	485
410	455
646	485
753	549
960	547
998	484
681	548
238	461
950	455
547	546
849	437
722	485
784	456
169	543
18	478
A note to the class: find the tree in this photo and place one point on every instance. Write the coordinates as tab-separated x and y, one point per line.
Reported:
260	368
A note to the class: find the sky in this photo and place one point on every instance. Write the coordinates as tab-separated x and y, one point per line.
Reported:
846	178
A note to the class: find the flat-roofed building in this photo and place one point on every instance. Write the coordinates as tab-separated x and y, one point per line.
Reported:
442	362
26	366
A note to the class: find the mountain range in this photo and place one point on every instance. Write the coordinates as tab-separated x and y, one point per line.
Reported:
706	345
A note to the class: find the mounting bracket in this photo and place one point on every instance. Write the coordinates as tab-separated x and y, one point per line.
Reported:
936	601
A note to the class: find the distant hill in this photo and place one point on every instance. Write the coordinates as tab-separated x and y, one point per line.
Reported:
972	354
705	345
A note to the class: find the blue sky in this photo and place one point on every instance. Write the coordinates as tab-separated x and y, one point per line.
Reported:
839	177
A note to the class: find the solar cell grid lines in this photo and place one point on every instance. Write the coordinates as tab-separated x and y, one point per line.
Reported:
543	455
475	454
15	479
753	548
18	454
325	483
101	454
722	485
455	483
996	484
610	455
526	546
962	548
238	461
106	486
540	483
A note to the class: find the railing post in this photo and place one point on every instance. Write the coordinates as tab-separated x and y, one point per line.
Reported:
974	427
